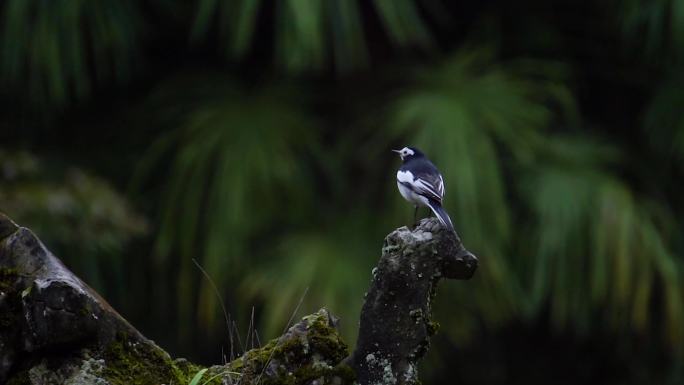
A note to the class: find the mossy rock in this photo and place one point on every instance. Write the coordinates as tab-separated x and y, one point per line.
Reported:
138	363
54	329
310	352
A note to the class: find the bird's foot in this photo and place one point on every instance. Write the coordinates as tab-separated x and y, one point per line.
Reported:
416	221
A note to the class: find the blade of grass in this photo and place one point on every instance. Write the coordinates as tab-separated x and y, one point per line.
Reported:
289	322
196	379
226	316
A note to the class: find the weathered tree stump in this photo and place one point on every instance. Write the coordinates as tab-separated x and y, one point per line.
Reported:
396	325
55	329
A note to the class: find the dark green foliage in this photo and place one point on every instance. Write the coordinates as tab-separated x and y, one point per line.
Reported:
656	26
558	126
80	214
309	34
224	150
59	50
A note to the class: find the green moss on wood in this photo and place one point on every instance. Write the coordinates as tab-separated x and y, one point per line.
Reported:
129	362
311	350
432	327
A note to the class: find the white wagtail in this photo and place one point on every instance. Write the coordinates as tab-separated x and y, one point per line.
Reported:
420	183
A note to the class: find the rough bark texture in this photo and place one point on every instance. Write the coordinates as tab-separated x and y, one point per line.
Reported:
396	324
54	329
310	353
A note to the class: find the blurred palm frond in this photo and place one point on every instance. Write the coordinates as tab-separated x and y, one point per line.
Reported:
56	52
234	161
598	250
584	234
664	118
655	26
477	119
309	34
333	263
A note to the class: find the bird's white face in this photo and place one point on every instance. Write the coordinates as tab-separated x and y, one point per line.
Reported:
404	152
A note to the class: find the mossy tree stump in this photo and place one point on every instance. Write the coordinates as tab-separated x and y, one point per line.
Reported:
396	323
55	329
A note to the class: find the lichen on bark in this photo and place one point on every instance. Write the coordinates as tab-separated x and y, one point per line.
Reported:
54	329
396	320
310	352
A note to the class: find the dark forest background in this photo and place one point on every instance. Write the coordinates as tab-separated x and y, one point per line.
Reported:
255	137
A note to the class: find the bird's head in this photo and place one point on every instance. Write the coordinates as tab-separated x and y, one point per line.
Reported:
407	153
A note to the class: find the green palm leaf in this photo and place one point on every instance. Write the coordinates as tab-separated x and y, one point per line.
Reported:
471	114
600	249
656	26
308	34
664	118
234	162
57	51
581	240
334	262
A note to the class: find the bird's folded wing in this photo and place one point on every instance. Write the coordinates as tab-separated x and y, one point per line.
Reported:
428	185
430	188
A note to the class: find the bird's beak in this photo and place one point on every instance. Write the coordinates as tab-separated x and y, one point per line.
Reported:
397	151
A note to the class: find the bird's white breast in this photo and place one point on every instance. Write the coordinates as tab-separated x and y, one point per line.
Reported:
408	194
404	176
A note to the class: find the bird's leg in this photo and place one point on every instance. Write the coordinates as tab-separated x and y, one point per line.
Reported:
415	216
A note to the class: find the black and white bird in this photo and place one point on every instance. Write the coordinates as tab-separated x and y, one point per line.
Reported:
420	183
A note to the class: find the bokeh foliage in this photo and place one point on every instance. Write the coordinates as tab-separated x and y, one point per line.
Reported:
58	51
308	34
84	220
260	134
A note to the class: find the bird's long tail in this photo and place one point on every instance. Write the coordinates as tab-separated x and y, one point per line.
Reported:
441	214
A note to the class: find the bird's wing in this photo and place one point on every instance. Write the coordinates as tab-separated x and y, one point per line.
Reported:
426	184
431	186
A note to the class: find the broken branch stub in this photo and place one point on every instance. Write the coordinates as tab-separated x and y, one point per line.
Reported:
396	325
